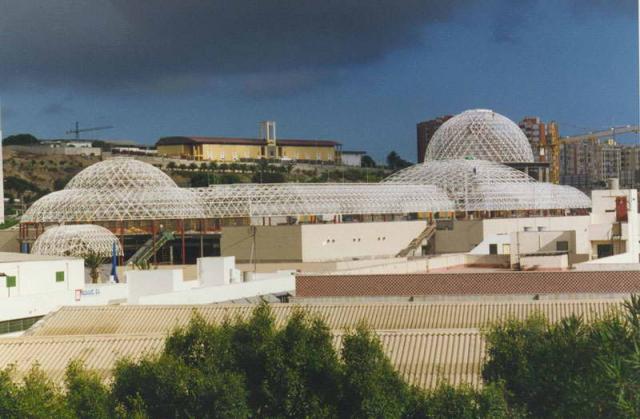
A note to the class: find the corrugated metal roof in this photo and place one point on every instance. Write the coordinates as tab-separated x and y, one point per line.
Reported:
422	357
54	353
494	283
137	319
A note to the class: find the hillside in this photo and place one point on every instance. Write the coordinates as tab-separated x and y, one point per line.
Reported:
29	176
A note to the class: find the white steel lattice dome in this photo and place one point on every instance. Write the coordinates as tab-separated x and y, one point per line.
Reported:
121	173
76	240
480	134
480	185
119	189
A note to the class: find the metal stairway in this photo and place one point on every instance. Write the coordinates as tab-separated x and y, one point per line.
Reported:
147	251
426	234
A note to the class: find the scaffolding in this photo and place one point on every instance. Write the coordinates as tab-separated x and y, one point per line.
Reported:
480	134
480	185
77	240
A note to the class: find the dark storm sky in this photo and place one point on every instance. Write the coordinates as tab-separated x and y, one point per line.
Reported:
360	72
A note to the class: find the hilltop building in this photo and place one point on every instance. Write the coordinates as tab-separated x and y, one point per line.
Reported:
225	149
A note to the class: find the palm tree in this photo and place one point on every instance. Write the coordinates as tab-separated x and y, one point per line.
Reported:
93	261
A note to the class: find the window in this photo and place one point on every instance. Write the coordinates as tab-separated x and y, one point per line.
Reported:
11	281
562	246
493	249
60	276
506	249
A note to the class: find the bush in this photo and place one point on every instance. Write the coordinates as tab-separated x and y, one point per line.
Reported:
249	368
571	368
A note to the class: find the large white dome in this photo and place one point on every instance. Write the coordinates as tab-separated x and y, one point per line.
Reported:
118	189
480	134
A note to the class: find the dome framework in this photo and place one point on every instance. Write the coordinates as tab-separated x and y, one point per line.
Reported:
119	189
88	205
480	134
77	240
479	185
296	199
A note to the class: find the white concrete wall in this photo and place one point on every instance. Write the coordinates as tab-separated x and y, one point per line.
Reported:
527	242
34	305
325	242
36	292
39	277
213	271
284	283
544	262
145	283
578	223
603	218
498	239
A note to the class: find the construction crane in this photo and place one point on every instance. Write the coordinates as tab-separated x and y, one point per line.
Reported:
77	129
611	132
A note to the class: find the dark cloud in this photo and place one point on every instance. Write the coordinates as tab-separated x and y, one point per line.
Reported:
178	44
104	43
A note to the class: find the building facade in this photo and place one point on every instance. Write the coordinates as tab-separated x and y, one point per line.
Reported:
222	149
590	163
353	158
545	143
425	131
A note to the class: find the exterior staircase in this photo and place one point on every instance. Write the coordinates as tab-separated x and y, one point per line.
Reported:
426	234
147	251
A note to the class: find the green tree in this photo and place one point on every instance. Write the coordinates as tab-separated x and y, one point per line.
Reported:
39	398
367	161
395	162
94	261
20	139
198	180
369	378
87	397
570	368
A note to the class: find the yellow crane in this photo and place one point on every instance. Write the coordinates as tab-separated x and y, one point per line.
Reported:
555	141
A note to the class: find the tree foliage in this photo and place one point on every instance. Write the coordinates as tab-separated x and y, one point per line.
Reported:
367	161
571	368
395	162
247	368
20	139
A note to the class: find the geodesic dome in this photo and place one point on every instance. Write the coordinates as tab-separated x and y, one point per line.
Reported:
480	185
480	134
295	199
76	240
121	173
120	189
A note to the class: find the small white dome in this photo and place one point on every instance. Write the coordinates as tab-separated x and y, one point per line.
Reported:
76	240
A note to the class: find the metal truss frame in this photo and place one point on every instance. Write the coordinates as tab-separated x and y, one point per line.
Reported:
480	134
297	199
76	240
480	185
